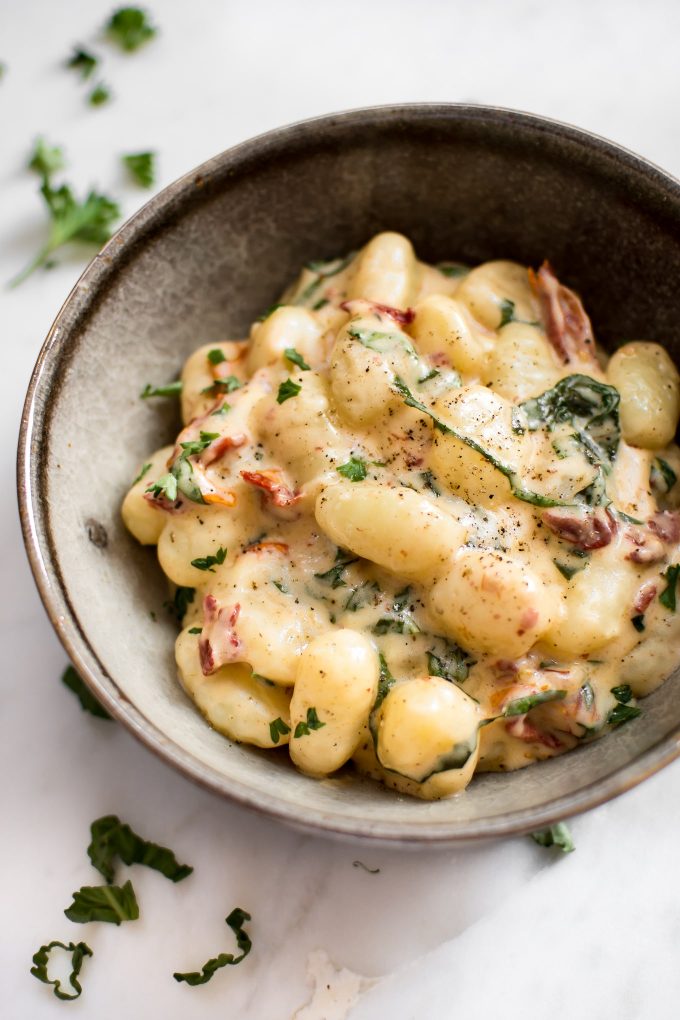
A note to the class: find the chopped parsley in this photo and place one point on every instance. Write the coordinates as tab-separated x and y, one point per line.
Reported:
557	835
142	169
638	622
520	706
355	469
287	390
195	630
623	711
283	588
210	562
83	62
430	482
399	621
227	385
385	682
313	722
99	95
236	920
87	700
195	446
172	389
568	570
507	308
129	28
453	665
278	729
110	903
667	597
334	575
296	359
180	602
270	311
216	356
78	951
164	487
112	838
46	159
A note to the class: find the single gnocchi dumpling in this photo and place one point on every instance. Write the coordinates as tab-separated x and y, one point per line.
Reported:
418	522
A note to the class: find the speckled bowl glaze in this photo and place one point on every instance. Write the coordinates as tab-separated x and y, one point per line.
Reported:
196	265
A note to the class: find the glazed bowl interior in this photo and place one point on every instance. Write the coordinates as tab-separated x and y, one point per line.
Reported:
197	265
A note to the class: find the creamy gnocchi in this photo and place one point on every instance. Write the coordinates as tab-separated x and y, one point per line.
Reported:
419	522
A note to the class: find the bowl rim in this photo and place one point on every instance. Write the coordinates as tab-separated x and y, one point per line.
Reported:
44	564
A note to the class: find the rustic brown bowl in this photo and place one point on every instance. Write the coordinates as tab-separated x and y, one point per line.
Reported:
196	265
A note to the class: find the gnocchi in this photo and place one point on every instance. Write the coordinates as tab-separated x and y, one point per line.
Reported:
418	523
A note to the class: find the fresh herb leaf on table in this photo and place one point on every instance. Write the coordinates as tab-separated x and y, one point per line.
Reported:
130	28
78	951
87	700
172	389
83	62
99	95
141	166
236	920
112	838
557	835
111	903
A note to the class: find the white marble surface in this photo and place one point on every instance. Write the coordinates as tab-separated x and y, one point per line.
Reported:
502	928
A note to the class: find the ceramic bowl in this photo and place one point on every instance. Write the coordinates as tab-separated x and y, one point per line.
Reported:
197	265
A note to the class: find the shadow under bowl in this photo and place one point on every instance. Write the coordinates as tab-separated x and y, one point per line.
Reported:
197	264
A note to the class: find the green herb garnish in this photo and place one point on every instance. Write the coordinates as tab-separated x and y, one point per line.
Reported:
452	269
355	469
313	722
87	700
145	469
385	682
557	835
164	487
334	575
430	483
195	630
210	562
380	341
638	622
270	311
667	597
112	838
99	95
129	28
216	356
287	390
227	385
82	61
284	589
662	477
296	359
141	166
235	921
111	903
277	729
520	706
195	446
78	951
172	389
180	602
454	665
623	711
46	159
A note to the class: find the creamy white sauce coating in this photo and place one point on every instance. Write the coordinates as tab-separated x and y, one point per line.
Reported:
397	560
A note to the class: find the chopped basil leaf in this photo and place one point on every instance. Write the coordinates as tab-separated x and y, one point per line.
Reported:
165	486
507	308
180	602
623	693
526	495
277	729
282	587
385	682
399	621
87	700
321	303
226	385
667	597
78	951
129	28
313	723
381	342
235	921
622	714
82	61
111	903
141	166
334	575
360	864
662	477
639	622
589	406
430	482
99	95
287	390
520	706
432	374
355	469
454	665
557	835
145	468
210	562
112	838
216	356
361	595
195	630
568	570
172	389
225	409
296	359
